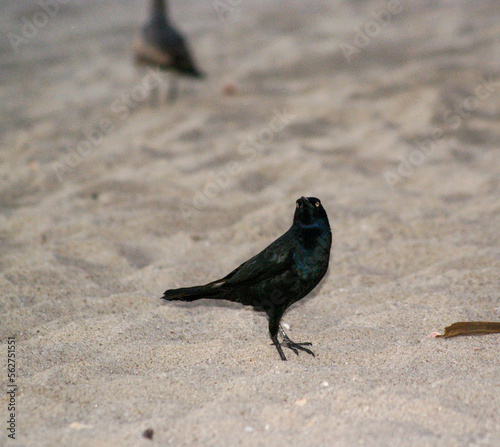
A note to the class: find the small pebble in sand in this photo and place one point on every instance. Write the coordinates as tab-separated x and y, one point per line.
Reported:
79	426
148	433
325	383
230	89
301	402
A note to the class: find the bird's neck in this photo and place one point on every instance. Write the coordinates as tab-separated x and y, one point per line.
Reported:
317	225
159	8
312	234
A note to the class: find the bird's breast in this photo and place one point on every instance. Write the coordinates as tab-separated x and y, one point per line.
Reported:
311	264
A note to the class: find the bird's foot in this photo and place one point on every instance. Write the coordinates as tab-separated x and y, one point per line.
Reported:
296	347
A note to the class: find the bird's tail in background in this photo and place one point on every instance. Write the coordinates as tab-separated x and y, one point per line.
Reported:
192	293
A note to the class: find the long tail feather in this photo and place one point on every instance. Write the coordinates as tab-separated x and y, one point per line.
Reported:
192	293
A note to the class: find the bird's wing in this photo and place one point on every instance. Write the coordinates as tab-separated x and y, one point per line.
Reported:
273	260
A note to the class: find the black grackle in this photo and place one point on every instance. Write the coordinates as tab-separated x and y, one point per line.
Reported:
280	275
161	45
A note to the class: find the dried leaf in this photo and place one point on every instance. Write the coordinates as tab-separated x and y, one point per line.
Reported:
469	328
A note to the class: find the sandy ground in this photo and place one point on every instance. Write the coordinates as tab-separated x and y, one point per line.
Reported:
388	112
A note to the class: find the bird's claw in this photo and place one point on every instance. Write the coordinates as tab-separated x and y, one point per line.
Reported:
296	347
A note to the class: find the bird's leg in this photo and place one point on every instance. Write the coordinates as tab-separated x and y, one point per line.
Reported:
154	96
274	326
278	347
295	347
173	88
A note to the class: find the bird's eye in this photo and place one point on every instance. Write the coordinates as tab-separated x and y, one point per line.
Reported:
317	204
298	204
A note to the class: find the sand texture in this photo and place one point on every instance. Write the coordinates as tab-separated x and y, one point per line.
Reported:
389	112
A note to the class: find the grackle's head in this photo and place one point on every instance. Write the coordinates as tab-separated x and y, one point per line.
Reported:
309	211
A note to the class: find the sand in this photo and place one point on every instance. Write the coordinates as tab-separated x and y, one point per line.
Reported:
389	112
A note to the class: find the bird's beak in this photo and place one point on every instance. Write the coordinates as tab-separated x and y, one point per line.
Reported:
304	201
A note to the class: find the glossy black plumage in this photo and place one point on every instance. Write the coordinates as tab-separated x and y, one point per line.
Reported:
280	275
